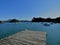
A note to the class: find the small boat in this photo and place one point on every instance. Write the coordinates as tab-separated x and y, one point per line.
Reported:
51	22
17	23
46	24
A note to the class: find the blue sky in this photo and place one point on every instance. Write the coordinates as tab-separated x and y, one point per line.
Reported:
27	9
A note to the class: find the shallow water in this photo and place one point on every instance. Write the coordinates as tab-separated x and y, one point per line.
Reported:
53	31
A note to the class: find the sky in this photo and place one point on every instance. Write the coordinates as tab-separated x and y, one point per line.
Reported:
27	9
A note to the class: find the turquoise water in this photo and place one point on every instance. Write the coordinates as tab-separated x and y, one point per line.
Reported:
53	31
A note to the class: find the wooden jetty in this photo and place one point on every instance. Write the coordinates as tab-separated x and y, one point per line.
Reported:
26	37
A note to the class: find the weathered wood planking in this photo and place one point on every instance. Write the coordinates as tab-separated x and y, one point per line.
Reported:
26	37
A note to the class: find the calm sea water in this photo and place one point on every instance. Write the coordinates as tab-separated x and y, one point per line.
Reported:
53	31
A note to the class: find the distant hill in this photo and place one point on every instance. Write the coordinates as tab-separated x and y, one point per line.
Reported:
13	20
1	22
55	20
39	19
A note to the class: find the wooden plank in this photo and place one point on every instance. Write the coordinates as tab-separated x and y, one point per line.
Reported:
26	37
